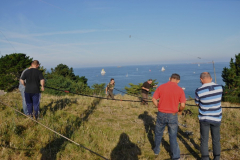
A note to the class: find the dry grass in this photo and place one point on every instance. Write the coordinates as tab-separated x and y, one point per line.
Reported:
114	129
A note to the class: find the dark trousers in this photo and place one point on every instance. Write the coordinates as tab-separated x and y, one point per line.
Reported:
144	98
110	94
33	100
215	133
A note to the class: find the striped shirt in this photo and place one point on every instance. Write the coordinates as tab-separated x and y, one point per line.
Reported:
209	97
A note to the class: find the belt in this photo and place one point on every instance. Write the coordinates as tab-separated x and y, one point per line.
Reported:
170	113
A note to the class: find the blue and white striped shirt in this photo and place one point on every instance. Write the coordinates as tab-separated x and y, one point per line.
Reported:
209	97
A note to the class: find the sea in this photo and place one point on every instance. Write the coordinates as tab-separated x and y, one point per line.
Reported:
123	75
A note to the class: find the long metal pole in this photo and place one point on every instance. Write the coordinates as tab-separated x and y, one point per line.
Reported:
214	72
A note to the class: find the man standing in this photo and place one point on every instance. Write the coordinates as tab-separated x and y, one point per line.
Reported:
145	90
22	90
208	98
33	79
169	95
109	88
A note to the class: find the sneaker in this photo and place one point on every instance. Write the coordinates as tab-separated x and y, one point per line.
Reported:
30	116
39	117
156	155
182	157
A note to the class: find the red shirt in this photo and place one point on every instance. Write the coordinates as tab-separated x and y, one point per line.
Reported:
169	95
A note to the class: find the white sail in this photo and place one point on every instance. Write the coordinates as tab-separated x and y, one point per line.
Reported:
103	72
163	69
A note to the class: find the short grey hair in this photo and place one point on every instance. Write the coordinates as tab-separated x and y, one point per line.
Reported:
205	75
35	62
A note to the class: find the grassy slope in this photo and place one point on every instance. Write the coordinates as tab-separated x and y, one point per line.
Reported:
117	130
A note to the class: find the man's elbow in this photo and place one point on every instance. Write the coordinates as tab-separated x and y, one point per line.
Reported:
42	81
22	82
183	105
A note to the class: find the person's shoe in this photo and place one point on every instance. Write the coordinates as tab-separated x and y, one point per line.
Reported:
156	155
39	115
182	157
30	116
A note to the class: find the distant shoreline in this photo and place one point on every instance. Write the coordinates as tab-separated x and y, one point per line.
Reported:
122	66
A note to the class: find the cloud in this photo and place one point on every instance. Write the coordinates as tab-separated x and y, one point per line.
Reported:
17	35
48	48
29	36
63	32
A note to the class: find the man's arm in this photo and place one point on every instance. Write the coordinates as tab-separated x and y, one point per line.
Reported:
145	88
106	90
42	82
181	108
22	82
196	99
155	102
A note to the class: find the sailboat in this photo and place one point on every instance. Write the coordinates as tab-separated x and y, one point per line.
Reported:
198	65
127	75
163	69
103	72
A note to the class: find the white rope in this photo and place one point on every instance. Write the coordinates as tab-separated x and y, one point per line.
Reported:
53	131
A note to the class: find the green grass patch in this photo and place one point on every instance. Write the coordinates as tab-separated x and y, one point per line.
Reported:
111	128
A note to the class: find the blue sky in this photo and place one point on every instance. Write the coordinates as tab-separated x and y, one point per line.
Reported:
81	33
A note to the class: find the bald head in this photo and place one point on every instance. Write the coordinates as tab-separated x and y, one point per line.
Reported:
205	77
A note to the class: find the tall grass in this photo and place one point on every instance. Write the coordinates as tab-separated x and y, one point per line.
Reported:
114	129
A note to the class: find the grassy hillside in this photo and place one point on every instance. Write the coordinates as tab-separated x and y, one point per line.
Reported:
114	129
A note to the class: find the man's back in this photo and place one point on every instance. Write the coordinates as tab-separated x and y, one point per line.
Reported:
209	97
33	77
169	95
